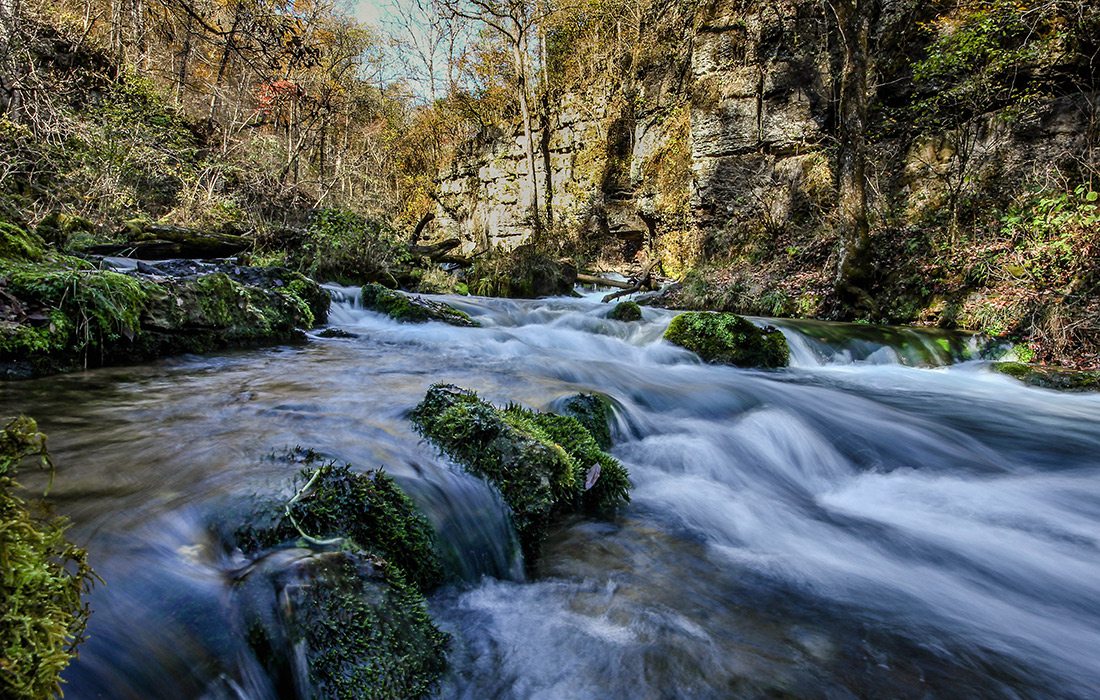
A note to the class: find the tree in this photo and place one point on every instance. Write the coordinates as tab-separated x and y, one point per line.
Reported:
853	27
515	22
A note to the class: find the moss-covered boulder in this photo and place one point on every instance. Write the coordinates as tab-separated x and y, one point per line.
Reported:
42	579
338	572
593	411
340	624
18	244
1060	378
626	311
412	309
334	502
543	464
729	339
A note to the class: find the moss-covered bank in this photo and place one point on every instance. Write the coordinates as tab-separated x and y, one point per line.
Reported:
59	312
544	465
42	579
723	338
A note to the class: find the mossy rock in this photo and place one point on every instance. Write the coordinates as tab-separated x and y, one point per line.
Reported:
18	244
412	309
368	508
63	313
593	411
542	464
59	228
626	311
729	339
1059	378
42	581
344	624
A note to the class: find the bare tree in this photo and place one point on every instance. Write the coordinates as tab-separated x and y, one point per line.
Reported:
516	22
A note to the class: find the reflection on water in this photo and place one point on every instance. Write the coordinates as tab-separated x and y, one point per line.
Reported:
848	527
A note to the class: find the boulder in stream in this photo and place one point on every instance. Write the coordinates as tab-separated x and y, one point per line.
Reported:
626	311
543	464
729	339
412	309
333	596
1059	378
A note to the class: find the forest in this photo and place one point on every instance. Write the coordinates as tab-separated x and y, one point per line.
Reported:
818	220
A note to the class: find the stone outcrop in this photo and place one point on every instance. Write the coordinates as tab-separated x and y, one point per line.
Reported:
723	128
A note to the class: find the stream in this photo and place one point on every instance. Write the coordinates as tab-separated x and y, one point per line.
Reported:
878	520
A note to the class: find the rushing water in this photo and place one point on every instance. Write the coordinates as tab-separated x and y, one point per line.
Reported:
849	527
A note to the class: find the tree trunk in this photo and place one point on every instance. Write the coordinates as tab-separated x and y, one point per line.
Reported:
854	25
520	55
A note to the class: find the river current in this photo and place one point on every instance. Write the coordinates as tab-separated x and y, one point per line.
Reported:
875	521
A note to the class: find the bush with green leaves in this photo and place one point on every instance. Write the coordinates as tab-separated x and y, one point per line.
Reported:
43	578
346	247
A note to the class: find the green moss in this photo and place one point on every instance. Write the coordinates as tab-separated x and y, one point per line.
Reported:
626	311
593	411
724	338
365	633
42	579
17	244
366	507
1059	378
408	309
600	481
70	314
539	462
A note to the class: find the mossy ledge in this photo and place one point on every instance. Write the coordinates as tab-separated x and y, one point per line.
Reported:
1059	378
544	465
338	575
412	309
60	313
729	339
42	580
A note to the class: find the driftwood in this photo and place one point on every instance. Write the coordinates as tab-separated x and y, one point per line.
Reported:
424	221
603	281
160	242
437	251
644	281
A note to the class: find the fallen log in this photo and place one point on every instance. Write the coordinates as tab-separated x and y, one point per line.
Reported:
644	281
436	251
603	281
164	242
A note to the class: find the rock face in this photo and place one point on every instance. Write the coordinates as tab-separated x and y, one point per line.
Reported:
721	128
412	309
543	464
728	339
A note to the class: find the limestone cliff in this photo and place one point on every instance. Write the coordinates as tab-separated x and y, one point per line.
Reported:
721	137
